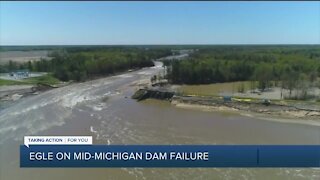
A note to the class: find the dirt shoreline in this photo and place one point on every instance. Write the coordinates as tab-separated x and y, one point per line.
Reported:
273	112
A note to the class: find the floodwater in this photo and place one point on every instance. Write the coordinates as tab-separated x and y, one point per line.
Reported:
103	108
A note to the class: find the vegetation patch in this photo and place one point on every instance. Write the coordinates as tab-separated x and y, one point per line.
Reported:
46	79
213	89
81	63
292	68
4	82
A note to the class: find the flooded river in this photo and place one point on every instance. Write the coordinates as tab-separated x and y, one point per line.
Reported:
103	108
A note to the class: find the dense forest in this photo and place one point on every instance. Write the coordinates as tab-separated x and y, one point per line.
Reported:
80	63
284	66
289	67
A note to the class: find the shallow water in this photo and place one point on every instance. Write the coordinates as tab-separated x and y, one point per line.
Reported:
103	109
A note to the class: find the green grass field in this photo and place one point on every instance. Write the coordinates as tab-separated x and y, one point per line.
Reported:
213	89
46	79
4	82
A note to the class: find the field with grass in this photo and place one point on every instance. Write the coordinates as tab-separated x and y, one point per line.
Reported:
46	79
214	89
4	82
232	89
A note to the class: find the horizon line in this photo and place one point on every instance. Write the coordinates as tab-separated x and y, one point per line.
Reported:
157	44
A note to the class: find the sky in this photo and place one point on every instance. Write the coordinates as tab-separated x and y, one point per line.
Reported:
119	23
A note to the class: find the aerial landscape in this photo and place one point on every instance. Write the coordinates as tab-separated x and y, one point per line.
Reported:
179	92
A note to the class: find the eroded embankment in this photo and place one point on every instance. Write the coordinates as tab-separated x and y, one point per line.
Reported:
277	108
257	106
155	93
15	92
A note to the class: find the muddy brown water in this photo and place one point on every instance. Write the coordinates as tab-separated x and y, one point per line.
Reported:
103	109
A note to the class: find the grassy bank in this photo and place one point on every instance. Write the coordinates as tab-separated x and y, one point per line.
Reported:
218	89
213	89
46	79
4	82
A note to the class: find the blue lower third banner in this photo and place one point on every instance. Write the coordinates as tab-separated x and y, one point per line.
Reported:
170	156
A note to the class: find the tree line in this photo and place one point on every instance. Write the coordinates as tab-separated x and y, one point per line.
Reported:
288	68
82	63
